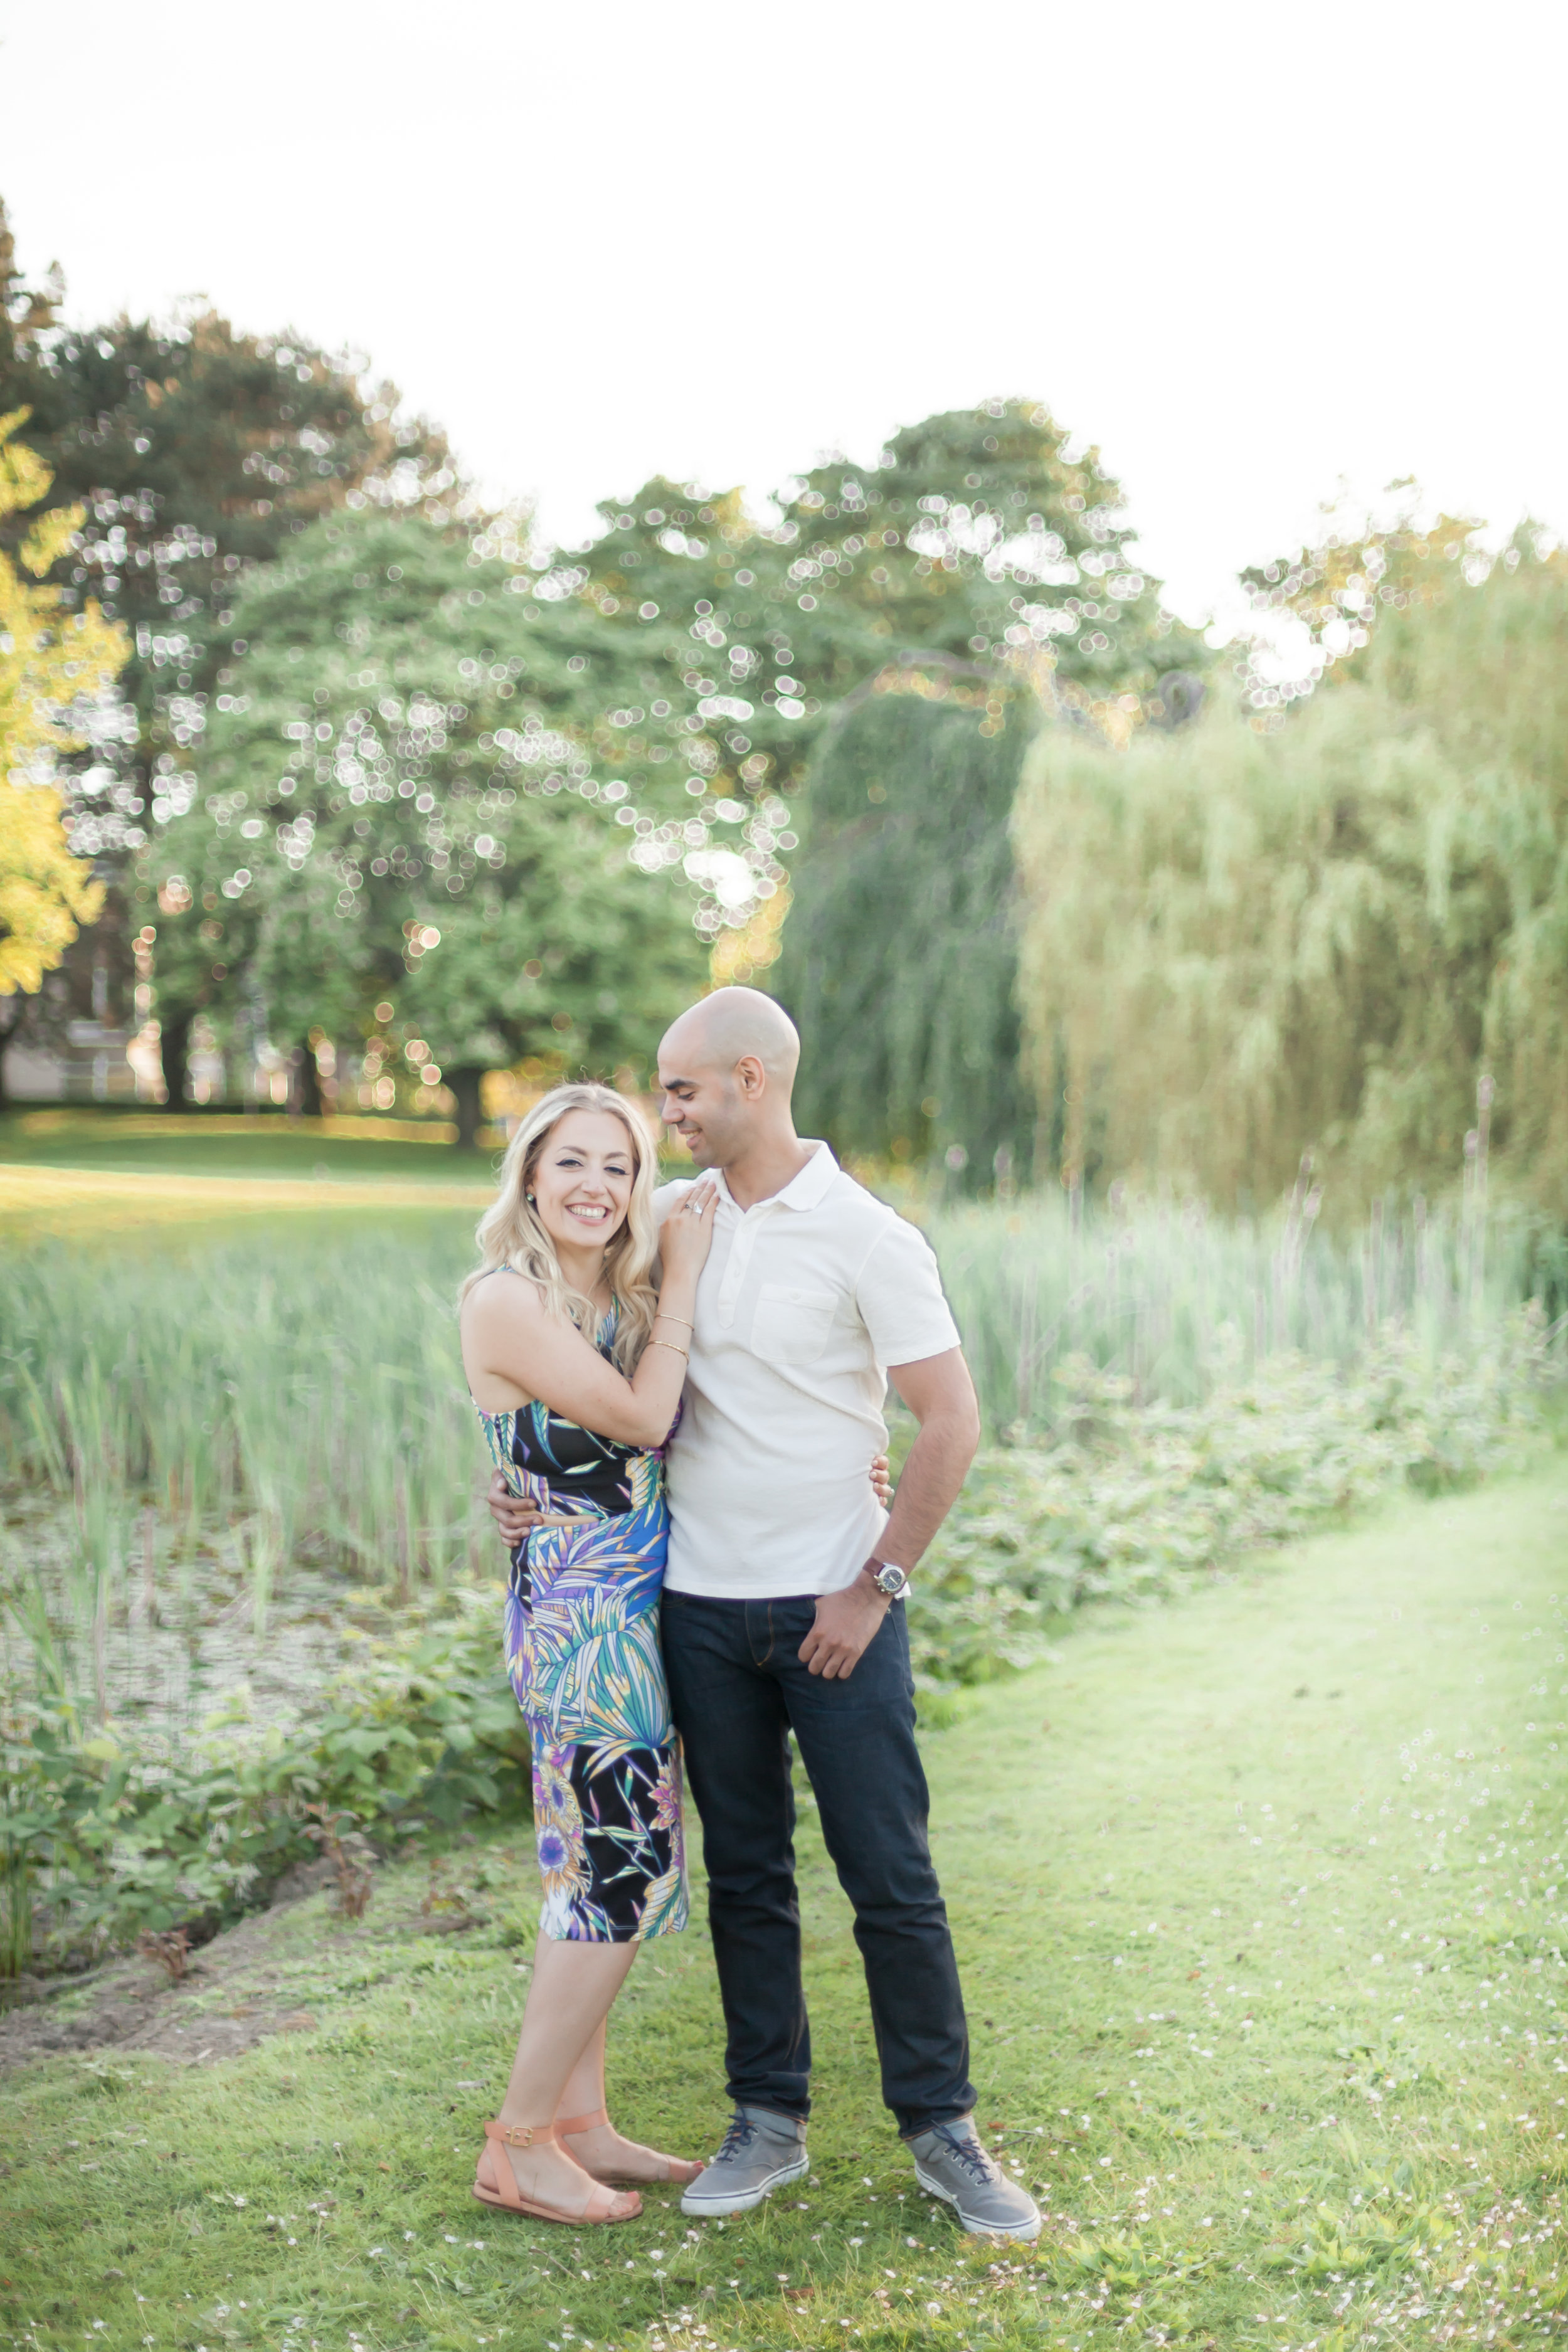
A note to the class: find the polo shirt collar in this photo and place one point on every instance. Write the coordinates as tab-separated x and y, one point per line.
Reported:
811	1185
803	1191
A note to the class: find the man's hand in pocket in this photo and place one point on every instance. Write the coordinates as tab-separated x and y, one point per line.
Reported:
845	1625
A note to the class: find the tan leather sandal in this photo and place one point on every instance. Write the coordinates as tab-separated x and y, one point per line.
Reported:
671	2168
600	2204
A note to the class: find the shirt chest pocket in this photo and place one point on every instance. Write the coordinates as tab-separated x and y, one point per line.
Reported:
791	1326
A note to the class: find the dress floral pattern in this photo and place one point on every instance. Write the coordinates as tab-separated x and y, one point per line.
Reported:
583	1654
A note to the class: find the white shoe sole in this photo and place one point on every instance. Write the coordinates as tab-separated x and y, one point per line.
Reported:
1028	2231
744	2200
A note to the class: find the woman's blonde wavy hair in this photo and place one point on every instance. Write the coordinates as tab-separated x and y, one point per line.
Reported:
511	1233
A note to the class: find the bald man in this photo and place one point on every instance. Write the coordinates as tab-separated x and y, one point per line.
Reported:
782	1607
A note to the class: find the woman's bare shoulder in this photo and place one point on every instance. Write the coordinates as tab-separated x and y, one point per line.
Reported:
502	1299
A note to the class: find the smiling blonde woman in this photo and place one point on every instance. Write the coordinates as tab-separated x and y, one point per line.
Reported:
575	1364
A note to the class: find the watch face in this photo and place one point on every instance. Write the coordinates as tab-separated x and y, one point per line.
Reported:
892	1582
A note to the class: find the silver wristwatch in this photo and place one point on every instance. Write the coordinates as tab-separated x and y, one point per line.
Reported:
889	1579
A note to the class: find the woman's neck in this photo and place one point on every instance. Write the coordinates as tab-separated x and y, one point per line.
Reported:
582	1268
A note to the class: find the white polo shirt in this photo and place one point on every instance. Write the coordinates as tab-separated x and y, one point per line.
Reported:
805	1301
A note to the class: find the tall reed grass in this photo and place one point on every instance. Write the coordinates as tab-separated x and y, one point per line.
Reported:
294	1401
303	1384
1175	1299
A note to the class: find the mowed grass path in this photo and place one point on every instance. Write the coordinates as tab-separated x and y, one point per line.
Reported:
1260	1903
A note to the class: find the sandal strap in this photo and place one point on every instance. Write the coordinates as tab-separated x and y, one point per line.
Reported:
601	2204
520	2135
582	2122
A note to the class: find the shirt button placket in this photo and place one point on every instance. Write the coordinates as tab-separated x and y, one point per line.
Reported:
739	1260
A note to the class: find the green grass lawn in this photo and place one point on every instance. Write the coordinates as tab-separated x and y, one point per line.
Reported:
1258	1900
153	1142
77	1173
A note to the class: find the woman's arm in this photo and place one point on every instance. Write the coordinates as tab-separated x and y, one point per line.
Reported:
515	1518
511	1341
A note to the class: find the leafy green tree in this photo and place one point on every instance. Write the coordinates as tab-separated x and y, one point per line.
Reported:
663	619
973	533
51	660
386	811
979	565
713	649
1361	571
198	452
567	960
195	453
1247	941
900	958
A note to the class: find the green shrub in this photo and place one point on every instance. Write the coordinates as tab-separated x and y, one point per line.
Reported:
1130	1504
111	1836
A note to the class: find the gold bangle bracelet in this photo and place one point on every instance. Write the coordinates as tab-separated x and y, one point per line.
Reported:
664	1315
672	1347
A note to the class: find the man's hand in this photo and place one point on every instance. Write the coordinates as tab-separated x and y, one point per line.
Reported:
514	1518
845	1624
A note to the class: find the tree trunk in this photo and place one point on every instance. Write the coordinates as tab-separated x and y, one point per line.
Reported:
464	1085
10	1022
304	1083
174	1051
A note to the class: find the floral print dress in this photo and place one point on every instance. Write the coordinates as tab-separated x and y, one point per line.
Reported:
583	1654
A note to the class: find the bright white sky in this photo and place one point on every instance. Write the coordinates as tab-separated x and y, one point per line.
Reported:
1249	250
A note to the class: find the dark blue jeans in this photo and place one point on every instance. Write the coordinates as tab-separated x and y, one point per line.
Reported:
737	1688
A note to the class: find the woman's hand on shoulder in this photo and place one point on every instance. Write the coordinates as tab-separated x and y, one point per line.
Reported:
686	1235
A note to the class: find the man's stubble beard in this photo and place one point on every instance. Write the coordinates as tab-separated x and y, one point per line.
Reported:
720	1142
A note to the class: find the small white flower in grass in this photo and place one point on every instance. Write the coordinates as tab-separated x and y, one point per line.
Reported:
407	2234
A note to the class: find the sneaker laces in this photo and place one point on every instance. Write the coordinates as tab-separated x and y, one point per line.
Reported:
970	2154
738	2138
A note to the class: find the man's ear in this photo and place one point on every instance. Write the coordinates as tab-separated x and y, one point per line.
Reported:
751	1077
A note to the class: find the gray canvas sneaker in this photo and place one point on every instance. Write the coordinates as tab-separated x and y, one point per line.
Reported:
950	2163
761	2150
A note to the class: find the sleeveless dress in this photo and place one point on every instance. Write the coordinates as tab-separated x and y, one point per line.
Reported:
583	1656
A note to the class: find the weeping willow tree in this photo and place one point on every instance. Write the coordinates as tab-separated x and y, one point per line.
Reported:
900	957
1239	946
